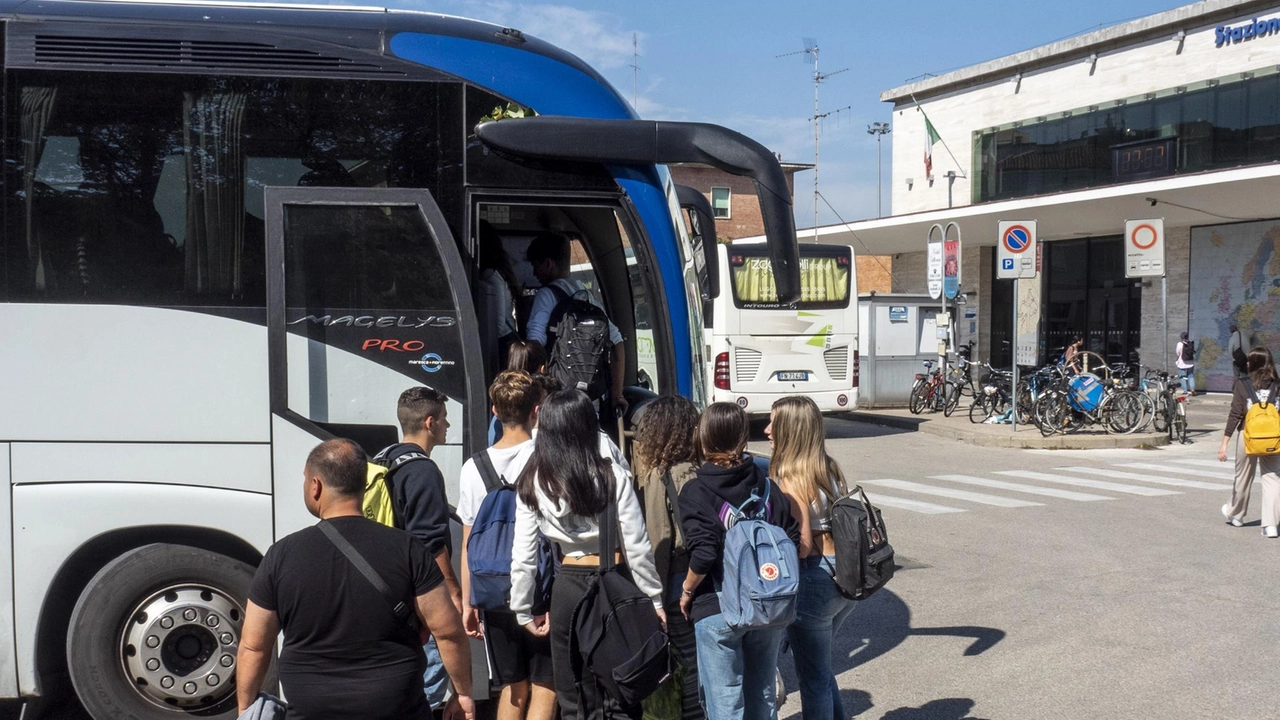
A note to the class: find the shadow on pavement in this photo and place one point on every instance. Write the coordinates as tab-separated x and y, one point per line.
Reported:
879	625
946	709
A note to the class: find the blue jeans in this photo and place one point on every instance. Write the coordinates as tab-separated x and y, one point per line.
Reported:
820	611
435	680
736	670
1188	376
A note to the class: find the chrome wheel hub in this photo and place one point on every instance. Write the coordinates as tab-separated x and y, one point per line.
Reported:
179	646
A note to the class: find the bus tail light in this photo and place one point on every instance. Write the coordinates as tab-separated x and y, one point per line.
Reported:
722	371
855	368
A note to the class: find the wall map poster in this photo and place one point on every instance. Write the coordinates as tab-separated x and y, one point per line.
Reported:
1235	275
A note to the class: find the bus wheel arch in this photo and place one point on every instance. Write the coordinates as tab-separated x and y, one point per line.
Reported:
80	569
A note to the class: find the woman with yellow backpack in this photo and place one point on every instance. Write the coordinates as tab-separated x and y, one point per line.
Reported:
1254	414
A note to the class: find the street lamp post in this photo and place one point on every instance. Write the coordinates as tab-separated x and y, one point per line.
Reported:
879	129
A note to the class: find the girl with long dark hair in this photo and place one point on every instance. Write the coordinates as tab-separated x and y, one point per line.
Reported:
735	667
561	492
1264	383
666	456
813	482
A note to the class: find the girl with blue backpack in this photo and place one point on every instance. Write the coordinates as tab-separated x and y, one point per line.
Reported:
564	487
812	482
737	643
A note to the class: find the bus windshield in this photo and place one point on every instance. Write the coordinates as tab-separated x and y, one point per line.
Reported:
824	278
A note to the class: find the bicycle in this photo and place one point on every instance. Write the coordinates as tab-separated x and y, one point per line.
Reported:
929	392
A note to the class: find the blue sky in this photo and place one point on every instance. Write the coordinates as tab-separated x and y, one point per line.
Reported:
715	62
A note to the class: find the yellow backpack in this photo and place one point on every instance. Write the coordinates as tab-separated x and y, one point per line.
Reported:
1261	424
377	503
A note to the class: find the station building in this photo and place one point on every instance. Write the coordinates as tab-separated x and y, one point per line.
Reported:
1174	116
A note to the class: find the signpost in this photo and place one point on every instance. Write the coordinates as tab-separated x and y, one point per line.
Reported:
1144	257
934	266
951	262
1018	258
1017	253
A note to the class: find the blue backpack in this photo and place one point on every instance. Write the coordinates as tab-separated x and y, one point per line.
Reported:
761	570
489	547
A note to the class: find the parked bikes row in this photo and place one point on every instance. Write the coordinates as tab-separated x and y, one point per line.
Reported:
1064	397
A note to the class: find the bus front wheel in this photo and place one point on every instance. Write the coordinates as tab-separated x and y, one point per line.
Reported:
155	633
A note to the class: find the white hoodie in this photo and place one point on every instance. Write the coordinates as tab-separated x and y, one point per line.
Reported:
579	536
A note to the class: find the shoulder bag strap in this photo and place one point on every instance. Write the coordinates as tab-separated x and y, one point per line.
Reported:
673	500
608	520
402	611
488	473
1250	389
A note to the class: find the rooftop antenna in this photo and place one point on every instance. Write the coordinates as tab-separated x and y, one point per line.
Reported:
810	56
635	66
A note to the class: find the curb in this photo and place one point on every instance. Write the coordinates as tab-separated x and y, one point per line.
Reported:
1030	439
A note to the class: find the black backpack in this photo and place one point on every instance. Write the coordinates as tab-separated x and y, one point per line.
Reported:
864	557
578	344
1188	351
615	633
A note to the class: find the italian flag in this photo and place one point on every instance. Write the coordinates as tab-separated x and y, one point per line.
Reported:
931	136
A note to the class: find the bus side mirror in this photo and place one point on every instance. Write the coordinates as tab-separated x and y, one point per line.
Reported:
703	230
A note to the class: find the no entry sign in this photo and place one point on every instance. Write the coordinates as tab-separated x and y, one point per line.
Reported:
1144	248
1016	251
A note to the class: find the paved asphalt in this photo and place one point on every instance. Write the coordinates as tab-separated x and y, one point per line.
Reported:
1050	595
1132	606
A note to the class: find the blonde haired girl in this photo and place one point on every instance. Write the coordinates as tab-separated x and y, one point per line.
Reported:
812	482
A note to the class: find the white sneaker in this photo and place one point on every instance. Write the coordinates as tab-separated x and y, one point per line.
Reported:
1234	521
1270	531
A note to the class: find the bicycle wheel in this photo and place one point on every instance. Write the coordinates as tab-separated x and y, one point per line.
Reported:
918	393
1043	414
951	393
980	409
1179	424
1148	410
1160	421
1120	412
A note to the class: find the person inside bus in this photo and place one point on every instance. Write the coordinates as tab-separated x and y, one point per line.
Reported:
345	653
498	289
421	505
525	356
520	662
548	254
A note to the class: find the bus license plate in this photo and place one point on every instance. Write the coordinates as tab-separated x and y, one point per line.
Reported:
793	376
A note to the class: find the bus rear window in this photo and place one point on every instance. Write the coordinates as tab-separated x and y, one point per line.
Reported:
824	279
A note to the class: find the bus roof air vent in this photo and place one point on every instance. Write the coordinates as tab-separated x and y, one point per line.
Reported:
178	54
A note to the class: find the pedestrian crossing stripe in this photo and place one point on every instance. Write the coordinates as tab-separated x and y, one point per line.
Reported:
1157	480
1082	482
912	505
1204	463
981	498
1029	489
1198	472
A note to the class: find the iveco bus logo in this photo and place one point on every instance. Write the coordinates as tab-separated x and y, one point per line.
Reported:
432	362
385	321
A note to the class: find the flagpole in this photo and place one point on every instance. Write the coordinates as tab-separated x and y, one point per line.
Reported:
944	142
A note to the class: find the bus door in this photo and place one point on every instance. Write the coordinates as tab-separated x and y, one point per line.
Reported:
367	295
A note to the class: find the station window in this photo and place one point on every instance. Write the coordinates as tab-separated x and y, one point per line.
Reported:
720	202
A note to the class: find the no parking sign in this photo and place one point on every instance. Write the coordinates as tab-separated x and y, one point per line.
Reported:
1016	251
1144	248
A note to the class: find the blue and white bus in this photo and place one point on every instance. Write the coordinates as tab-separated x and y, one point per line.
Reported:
231	230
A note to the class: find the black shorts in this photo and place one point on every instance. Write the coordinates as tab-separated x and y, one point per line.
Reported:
514	654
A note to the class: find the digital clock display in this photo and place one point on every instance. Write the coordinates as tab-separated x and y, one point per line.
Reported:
1144	160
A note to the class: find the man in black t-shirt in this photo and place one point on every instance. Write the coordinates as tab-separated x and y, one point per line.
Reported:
346	654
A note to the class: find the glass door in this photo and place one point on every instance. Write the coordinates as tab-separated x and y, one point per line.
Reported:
367	296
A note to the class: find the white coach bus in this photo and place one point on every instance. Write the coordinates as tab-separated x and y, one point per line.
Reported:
762	349
234	230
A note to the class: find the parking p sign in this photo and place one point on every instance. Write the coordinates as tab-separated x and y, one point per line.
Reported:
1016	250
